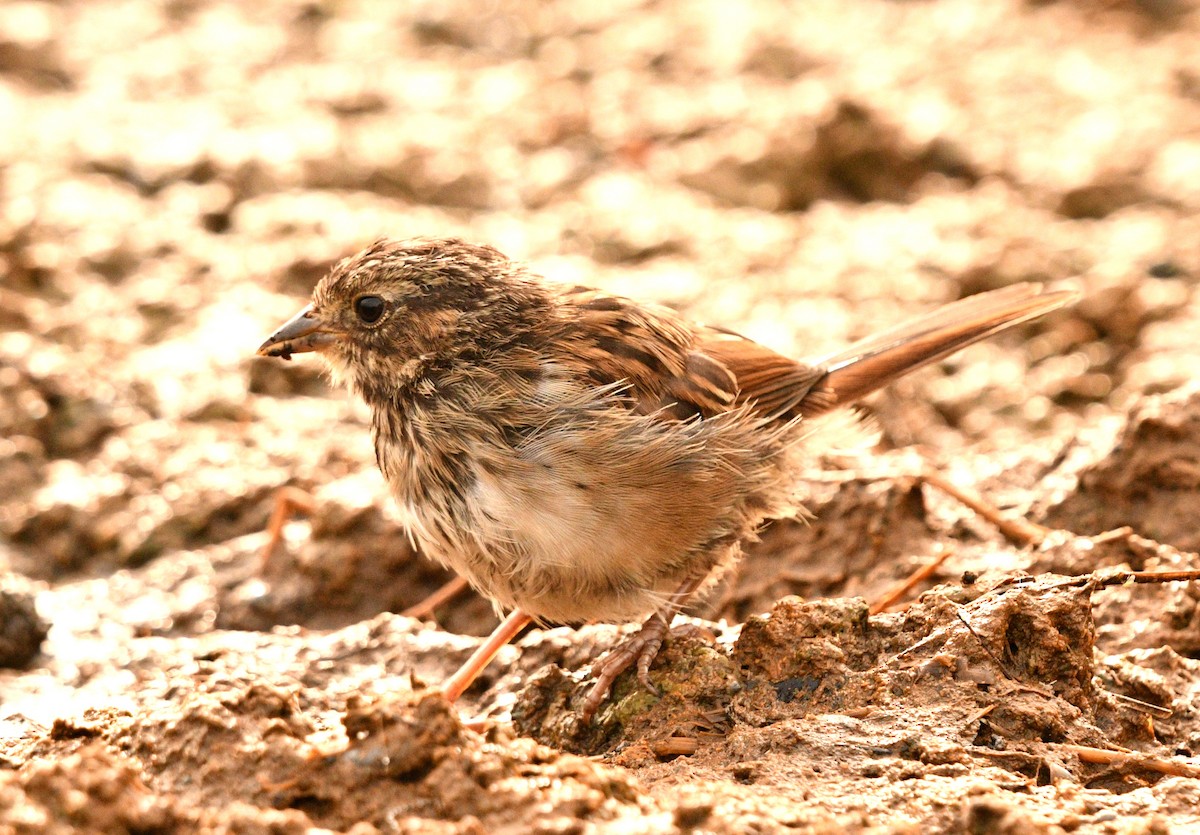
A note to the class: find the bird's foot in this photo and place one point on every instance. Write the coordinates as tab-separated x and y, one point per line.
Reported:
640	647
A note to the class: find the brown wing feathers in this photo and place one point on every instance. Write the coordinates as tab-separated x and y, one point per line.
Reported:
709	370
775	384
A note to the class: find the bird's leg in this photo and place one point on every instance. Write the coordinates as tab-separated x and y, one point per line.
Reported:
287	501
468	672
444	594
642	646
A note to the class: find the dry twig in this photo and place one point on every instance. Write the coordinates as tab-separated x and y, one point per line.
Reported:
1133	759
1016	530
900	590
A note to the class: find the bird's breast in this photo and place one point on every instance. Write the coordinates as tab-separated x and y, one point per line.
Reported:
575	513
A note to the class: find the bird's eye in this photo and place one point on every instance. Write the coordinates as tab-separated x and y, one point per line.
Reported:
369	308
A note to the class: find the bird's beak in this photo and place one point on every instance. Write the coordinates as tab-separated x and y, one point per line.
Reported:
303	332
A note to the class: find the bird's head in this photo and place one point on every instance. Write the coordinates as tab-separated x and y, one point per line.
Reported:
398	307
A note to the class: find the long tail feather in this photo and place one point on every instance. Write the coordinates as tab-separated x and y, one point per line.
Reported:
872	363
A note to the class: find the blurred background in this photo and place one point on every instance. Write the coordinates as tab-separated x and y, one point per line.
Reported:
176	176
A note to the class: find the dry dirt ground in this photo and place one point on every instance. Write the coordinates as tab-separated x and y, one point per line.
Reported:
175	176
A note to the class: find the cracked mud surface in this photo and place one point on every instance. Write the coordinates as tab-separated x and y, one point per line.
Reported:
174	178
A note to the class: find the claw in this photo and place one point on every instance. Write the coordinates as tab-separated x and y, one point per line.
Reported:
640	647
646	657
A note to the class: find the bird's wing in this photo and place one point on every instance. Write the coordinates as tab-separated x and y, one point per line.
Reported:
650	351
684	370
772	384
676	369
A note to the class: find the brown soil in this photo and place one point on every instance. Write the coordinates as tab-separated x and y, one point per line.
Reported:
175	176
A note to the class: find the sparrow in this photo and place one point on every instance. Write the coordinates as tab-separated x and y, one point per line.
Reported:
577	456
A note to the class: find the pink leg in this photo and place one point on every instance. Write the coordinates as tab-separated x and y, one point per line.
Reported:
444	594
642	646
468	672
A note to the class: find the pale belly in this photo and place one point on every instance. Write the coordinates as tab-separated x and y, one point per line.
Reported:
569	529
